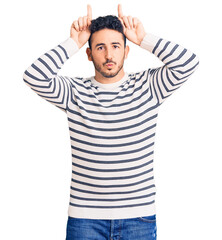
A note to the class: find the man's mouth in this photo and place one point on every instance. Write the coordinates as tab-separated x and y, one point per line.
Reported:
109	64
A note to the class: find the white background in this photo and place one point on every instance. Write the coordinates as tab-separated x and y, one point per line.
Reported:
35	166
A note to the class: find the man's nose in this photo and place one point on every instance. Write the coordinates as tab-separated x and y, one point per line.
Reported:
109	53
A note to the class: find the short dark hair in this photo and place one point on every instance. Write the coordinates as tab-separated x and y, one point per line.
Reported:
106	22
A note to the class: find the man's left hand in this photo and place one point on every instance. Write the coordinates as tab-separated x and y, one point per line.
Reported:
133	28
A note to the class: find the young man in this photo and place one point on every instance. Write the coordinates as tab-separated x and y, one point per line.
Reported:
112	122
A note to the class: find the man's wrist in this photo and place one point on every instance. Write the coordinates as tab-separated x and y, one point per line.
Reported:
70	46
142	39
149	41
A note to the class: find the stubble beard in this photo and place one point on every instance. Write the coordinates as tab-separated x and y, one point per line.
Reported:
107	74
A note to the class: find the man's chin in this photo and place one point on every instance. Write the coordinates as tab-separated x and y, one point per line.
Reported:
109	74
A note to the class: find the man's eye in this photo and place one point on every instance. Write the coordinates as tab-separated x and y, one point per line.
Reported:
116	46
100	48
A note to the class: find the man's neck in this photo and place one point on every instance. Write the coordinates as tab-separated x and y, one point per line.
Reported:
100	78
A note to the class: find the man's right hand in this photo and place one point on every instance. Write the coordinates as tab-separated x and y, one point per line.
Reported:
79	31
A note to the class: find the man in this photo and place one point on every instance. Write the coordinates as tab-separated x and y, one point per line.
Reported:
112	122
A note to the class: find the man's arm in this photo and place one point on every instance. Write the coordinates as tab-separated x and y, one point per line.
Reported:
42	76
179	62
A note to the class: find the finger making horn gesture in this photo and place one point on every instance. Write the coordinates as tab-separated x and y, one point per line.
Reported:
133	28
79	31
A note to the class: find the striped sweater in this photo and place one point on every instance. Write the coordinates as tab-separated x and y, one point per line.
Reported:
112	127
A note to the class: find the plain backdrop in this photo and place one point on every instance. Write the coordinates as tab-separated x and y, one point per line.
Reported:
35	166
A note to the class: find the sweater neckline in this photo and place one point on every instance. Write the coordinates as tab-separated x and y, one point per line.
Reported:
108	85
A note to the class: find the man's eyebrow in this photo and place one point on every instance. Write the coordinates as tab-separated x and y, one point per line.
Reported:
102	44
116	43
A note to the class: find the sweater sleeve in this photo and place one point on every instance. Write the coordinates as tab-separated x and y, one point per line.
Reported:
179	64
42	76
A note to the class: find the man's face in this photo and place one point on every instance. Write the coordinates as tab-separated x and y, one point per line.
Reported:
107	52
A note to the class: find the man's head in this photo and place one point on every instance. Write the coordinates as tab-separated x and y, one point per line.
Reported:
107	46
107	22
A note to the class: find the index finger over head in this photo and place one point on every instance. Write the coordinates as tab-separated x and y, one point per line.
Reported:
120	12
89	12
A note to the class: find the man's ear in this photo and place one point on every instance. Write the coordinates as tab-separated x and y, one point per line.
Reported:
126	51
89	54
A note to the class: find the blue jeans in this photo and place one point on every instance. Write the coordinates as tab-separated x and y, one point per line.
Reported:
139	228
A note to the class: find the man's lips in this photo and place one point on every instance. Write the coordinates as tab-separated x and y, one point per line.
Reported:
109	64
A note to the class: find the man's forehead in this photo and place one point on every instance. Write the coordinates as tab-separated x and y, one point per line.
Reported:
107	36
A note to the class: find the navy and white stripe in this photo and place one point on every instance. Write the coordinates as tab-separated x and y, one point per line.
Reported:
112	131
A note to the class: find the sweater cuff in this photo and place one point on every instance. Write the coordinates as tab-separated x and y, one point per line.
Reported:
70	46
149	42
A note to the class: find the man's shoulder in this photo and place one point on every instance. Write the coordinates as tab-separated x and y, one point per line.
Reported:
138	74
77	80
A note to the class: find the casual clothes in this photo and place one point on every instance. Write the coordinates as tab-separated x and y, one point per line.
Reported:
112	127
140	228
